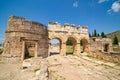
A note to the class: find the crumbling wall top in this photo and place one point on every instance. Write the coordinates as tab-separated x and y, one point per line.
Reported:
54	26
20	24
17	17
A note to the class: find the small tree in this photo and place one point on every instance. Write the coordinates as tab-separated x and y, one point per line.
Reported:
98	35
69	41
95	33
103	35
89	34
92	34
115	41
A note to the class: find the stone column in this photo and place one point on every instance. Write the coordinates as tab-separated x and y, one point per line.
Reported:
110	45
77	49
23	50
102	47
88	48
36	49
109	48
49	47
63	49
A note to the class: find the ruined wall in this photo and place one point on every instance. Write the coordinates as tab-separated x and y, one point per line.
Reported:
100	44
23	37
19	31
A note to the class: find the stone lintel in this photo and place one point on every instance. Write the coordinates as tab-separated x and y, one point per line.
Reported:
28	39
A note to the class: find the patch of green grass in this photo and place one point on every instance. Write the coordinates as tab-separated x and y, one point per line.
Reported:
69	48
31	54
90	56
37	69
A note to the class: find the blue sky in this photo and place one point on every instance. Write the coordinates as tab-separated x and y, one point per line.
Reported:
102	15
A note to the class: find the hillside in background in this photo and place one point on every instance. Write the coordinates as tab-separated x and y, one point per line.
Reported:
111	35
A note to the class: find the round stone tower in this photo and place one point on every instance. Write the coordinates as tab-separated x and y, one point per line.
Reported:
25	39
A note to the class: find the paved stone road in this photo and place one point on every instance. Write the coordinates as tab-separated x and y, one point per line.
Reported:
65	68
75	68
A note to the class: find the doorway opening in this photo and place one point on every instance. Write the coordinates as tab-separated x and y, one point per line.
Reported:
55	46
70	46
83	45
29	49
106	47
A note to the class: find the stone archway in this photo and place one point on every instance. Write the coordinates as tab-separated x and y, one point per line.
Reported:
70	48
55	30
56	47
76	44
62	44
84	45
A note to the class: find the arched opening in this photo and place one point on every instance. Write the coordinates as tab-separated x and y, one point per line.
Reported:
70	45
83	45
106	48
55	46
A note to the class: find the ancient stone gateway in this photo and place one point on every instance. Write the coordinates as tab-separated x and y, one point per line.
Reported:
25	39
76	34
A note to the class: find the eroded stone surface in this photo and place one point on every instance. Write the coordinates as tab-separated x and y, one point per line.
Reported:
25	39
62	68
75	68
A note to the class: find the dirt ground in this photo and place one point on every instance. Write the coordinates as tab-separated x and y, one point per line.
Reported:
9	71
66	68
82	68
14	71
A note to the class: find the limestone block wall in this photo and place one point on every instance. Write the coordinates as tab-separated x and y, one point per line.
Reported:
68	30
19	31
62	33
98	44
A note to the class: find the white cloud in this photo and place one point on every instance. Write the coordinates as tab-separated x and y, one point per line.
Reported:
101	1
75	4
115	7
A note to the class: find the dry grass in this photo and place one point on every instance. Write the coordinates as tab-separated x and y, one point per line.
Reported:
69	48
